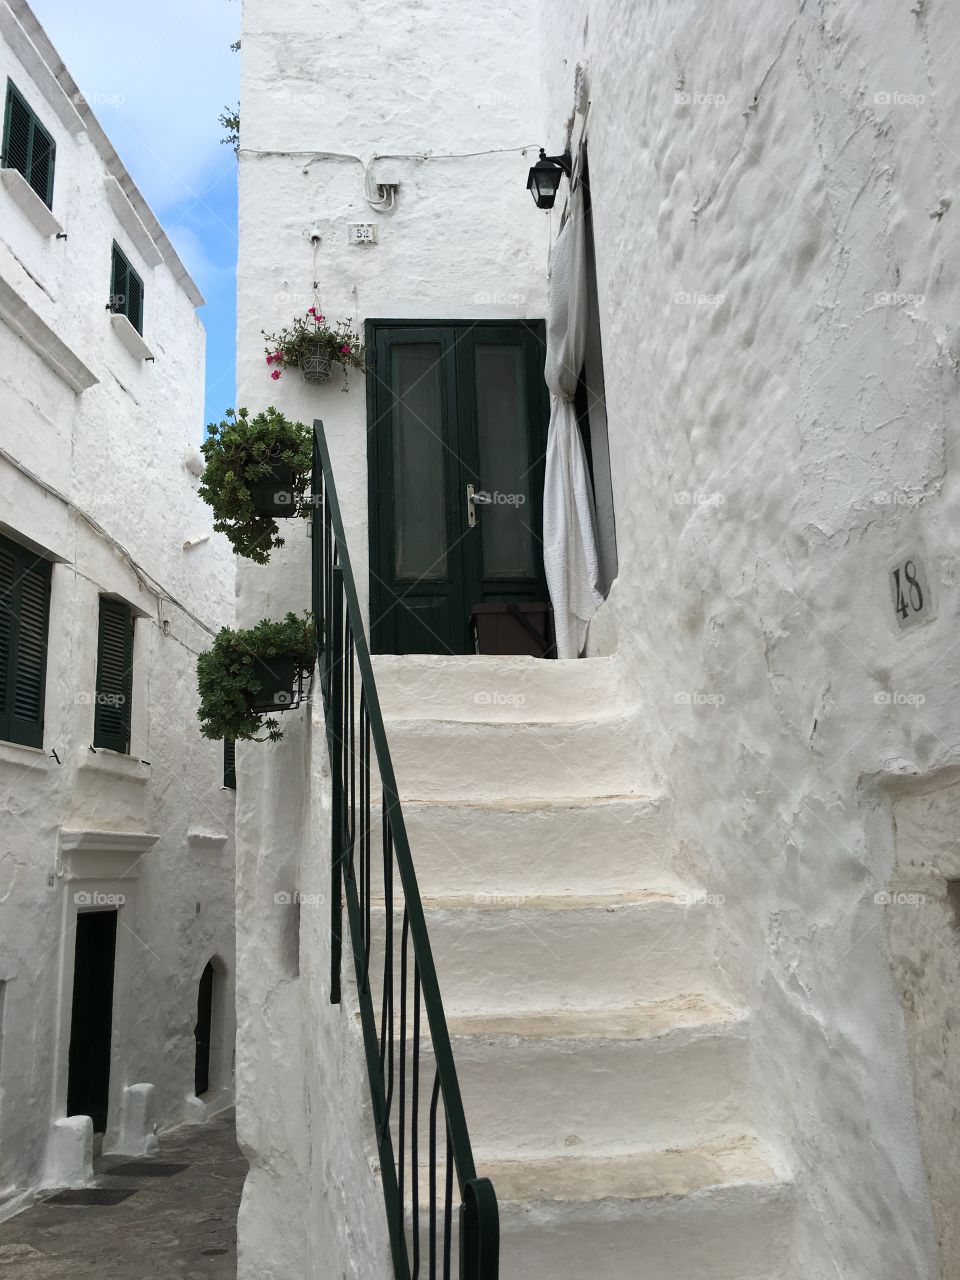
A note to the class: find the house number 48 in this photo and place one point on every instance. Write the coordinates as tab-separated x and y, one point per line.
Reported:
911	594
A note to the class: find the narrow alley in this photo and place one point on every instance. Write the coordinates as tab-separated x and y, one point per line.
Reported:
172	1217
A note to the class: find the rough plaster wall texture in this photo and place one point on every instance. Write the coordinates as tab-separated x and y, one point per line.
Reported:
776	278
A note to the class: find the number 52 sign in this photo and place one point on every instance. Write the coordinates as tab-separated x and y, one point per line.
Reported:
912	602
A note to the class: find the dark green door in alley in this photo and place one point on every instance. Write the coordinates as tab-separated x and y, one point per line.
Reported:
91	1022
456	434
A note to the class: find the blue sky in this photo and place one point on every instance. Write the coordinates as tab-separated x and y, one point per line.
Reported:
157	78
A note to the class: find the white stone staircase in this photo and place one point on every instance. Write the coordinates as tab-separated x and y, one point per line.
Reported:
603	1063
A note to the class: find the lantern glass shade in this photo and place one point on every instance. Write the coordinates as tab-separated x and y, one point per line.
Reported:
544	182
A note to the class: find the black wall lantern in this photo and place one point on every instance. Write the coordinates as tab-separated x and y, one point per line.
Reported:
544	178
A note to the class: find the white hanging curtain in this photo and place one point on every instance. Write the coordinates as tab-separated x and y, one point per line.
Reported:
569	519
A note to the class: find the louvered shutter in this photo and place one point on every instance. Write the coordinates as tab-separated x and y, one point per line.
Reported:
16	132
41	164
134	299
27	146
230	764
24	621
118	281
111	720
8	577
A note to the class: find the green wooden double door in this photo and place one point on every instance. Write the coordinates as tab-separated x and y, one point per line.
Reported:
457	433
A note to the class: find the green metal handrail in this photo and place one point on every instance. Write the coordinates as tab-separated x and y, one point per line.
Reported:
354	721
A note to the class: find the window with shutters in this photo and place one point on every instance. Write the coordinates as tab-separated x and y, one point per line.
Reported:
114	696
27	147
24	618
126	289
230	764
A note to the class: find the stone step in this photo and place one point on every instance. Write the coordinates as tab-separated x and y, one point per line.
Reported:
540	1083
524	846
481	760
515	953
714	1211
429	686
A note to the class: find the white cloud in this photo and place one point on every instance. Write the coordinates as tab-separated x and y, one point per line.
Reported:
157	77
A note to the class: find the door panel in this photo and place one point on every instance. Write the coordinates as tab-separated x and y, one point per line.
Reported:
91	1024
452	405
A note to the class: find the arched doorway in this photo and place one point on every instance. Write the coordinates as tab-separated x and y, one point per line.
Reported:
203	1031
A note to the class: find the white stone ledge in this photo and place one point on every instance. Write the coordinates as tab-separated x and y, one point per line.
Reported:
130	220
24	196
19	316
103	855
129	337
21	757
115	764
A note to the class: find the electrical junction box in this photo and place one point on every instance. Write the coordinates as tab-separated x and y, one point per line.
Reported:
361	233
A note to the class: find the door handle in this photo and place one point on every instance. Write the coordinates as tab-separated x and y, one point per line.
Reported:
476	499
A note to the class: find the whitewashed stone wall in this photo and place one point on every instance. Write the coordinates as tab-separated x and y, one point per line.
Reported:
156	826
772	196
772	200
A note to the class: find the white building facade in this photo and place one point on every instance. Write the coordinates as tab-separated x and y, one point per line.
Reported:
116	830
770	376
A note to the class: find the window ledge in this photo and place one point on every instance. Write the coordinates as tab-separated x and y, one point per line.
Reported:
115	764
16	753
129	337
104	855
24	195
41	339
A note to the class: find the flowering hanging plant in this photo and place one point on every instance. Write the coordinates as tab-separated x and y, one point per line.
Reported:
309	333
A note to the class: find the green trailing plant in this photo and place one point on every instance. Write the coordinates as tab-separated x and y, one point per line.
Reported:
227	676
290	346
230	120
241	452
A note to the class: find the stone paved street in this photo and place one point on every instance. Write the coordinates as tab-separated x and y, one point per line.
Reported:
172	1228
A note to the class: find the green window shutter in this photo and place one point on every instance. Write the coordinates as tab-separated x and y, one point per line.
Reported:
24	622
118	281
135	300
111	717
126	289
27	146
230	764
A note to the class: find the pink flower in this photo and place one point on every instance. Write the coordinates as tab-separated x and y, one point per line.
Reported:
275	375
269	359
345	349
312	311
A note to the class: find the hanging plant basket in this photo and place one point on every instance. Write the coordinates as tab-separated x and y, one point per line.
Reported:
316	363
247	676
258	471
281	683
314	347
277	494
